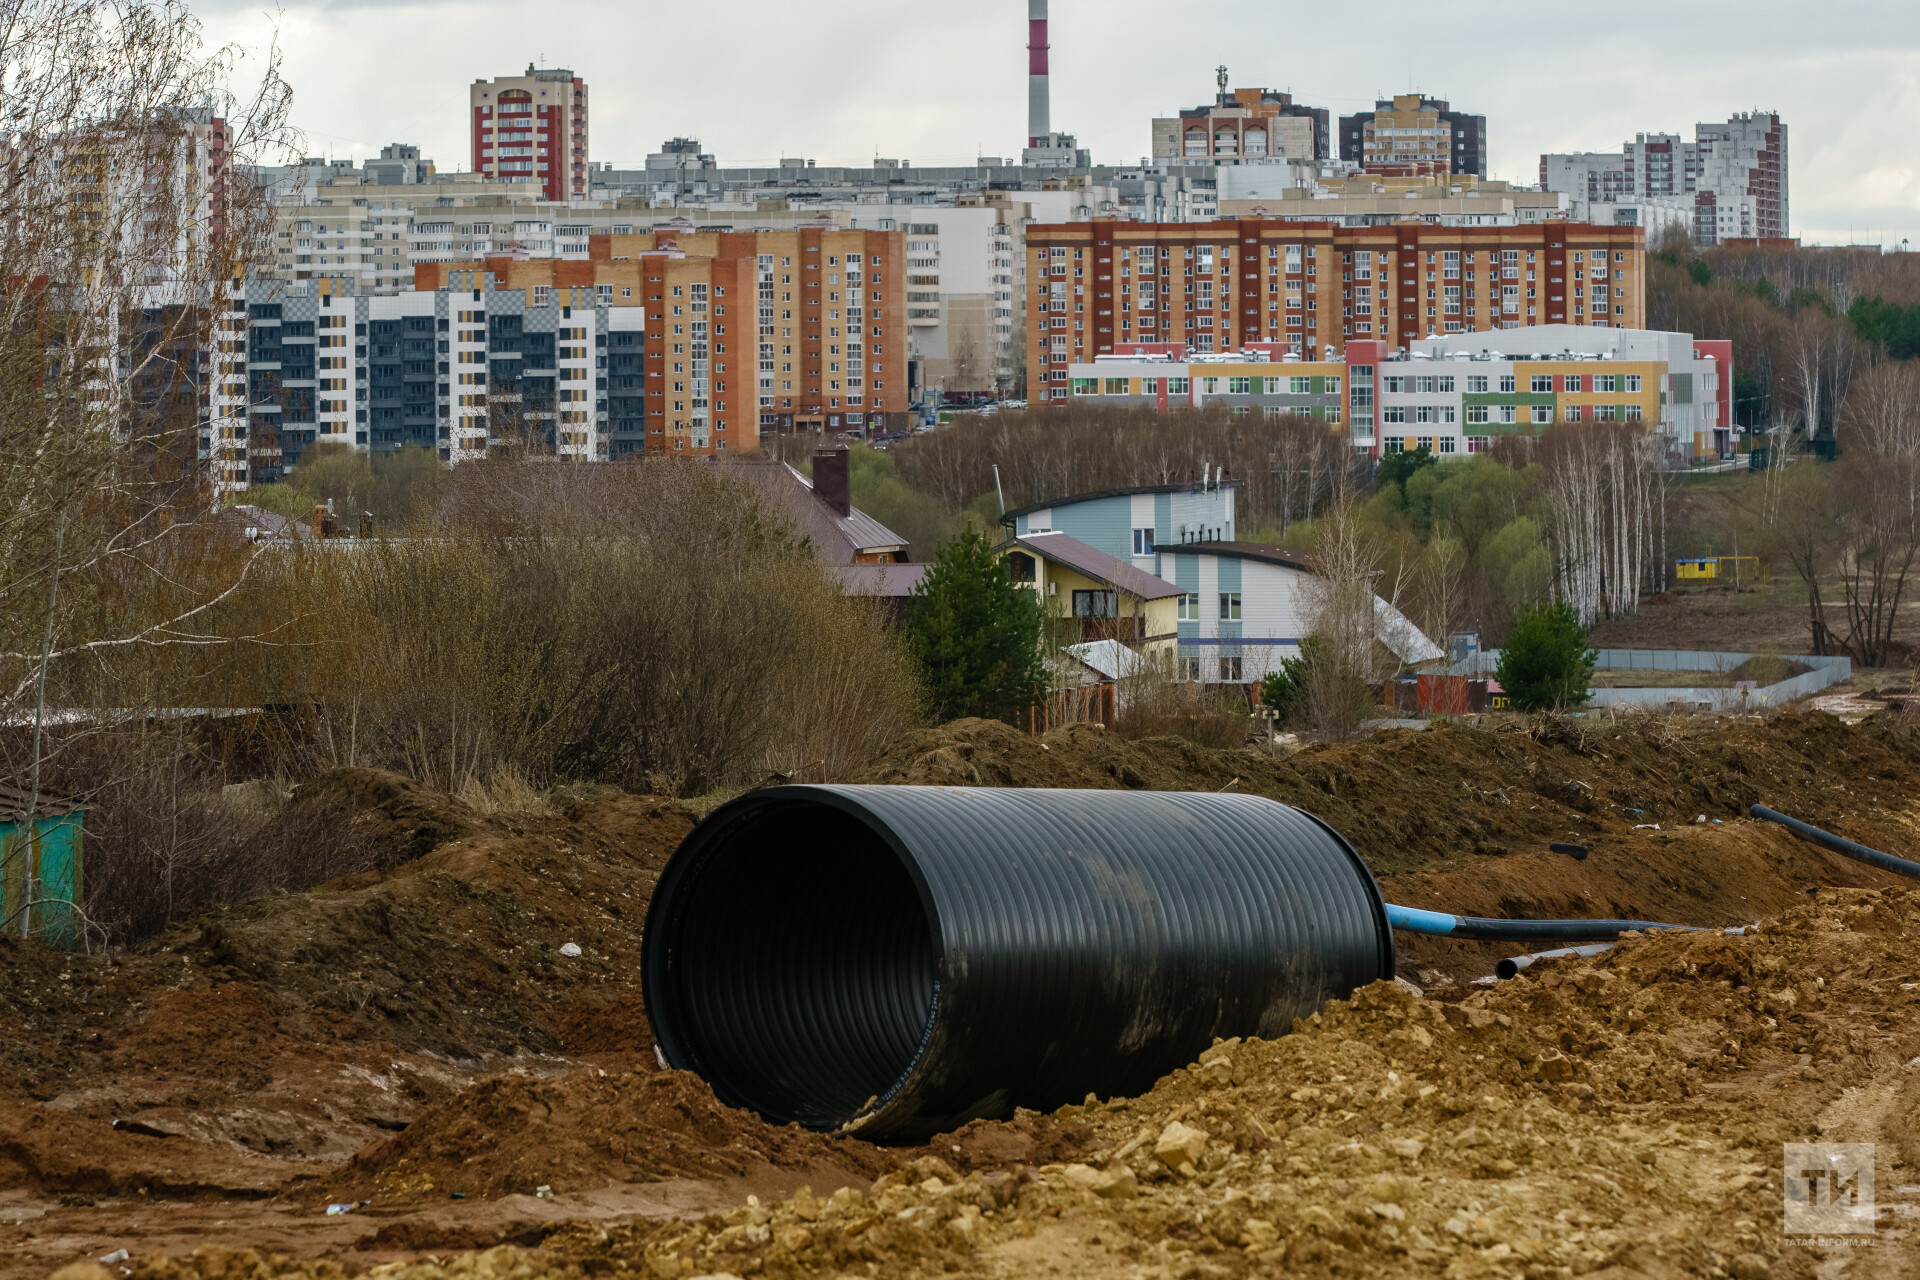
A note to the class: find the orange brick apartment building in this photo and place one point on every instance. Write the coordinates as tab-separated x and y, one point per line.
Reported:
744	332
1312	285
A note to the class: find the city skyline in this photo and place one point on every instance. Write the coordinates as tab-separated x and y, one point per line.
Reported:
952	86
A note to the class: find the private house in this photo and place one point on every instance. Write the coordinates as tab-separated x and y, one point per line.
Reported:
1099	596
822	508
1243	608
1237	609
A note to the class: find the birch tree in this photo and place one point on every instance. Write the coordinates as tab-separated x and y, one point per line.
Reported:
123	224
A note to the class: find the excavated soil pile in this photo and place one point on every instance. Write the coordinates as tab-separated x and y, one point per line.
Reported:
1618	1116
301	1026
1460	818
1408	799
516	1134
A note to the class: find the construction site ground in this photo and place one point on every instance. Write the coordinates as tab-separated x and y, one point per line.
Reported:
416	1045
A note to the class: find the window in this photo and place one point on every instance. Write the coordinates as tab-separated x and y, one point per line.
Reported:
1239	386
1506	384
1633	383
1476	413
1394	413
1190	669
1446	444
1508	414
1604	412
1476	385
1573	413
1188	607
1020	566
1116	386
1299	386
1576	383
1633	413
1542	414
1176	386
1229	606
1143	542
1086	386
1149	386
1542	384
1229	668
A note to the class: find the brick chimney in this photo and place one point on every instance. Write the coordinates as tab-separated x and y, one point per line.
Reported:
830	482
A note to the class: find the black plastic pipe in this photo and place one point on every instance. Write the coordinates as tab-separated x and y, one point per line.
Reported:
1441	924
899	960
1845	848
1514	966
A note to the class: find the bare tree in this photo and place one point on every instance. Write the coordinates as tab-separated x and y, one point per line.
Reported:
1340	601
1606	508
123	231
1880	478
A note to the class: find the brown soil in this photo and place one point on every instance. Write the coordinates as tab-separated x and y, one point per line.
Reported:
1618	1117
518	1133
1715	619
301	1027
410	1036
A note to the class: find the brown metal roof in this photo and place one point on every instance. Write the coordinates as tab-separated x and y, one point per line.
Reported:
1096	564
1009	517
1282	556
839	539
13	804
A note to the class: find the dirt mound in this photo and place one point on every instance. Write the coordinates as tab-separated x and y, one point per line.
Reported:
302	1027
456	952
379	820
1408	799
1621	1115
514	1133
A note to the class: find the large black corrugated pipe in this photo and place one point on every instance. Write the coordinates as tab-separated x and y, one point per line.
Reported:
1846	848
905	959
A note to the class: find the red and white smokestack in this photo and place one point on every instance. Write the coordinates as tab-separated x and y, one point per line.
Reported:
1038	114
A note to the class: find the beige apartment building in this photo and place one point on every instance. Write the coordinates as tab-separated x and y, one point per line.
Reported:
532	128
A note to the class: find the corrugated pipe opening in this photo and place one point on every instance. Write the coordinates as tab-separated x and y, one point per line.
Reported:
905	959
814	962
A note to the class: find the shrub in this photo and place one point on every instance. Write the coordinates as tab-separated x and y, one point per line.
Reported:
1285	690
1545	663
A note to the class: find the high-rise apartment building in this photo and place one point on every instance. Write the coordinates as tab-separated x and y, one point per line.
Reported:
1243	126
399	165
1586	175
1312	287
532	128
743	332
1734	174
1411	135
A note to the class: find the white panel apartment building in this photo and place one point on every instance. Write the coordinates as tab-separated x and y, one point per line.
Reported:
1733	176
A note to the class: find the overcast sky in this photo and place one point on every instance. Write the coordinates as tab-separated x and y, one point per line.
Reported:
842	81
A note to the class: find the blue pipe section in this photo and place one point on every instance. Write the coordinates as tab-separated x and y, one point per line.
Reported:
1440	924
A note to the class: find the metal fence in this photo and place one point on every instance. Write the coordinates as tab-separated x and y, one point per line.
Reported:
1826	671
